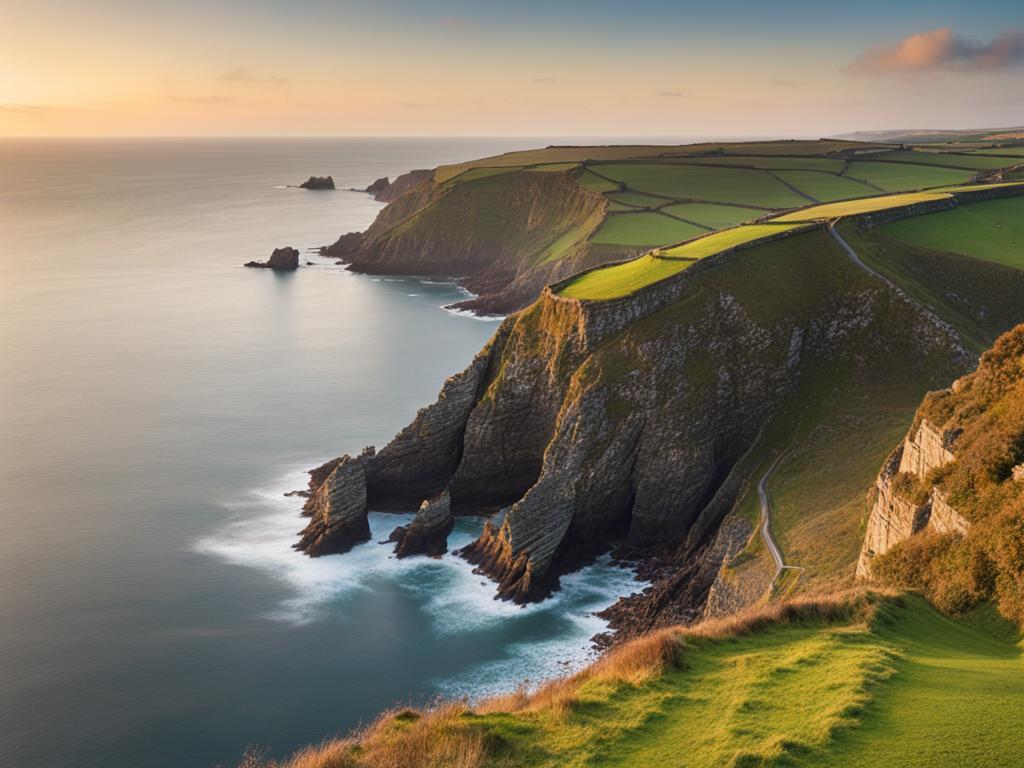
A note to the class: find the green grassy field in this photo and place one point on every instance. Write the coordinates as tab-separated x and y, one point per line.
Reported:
473	174
854	207
644	229
832	165
623	279
637	200
714	216
894	177
826	186
992	230
901	688
552	167
1007	151
595	183
727	185
970	162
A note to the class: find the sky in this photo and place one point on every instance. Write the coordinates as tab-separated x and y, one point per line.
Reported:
524	68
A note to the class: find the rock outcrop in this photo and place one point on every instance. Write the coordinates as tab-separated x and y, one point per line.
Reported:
345	247
338	511
283	259
428	533
318	182
903	502
630	424
378	186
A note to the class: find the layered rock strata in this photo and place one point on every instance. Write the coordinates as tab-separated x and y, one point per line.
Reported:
903	501
631	423
428	533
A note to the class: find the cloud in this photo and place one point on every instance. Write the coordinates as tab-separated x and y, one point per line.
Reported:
942	49
25	108
215	99
547	80
671	94
246	76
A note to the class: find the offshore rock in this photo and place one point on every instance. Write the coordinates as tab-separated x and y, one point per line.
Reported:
344	247
338	511
282	259
318	182
428	533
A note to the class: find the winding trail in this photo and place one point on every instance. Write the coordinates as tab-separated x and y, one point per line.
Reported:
766	519
847	248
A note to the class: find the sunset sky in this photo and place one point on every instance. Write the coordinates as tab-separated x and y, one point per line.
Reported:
395	67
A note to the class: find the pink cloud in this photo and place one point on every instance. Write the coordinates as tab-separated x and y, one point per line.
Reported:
942	49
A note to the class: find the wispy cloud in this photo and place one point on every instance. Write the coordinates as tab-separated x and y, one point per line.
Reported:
942	49
247	76
671	94
214	99
26	108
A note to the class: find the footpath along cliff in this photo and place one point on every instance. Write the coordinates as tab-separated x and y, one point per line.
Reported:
629	424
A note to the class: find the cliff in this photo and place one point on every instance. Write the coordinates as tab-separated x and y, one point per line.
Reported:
947	513
632	423
504	237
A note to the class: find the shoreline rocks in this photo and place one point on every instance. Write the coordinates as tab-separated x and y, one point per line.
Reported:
378	186
282	259
428	532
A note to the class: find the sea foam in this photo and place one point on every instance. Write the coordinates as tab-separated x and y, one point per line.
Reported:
263	527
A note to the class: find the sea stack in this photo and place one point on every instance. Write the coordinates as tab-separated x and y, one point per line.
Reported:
282	259
428	532
318	182
379	186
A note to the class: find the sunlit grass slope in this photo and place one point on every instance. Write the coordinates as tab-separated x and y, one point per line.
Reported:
644	228
623	279
864	205
873	681
894	177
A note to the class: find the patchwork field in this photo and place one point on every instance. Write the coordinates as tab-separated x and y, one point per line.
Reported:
865	205
695	182
714	216
992	230
826	186
895	177
948	159
638	200
644	229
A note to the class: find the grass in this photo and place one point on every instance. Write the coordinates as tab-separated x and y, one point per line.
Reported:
643	229
992	230
482	173
623	279
896	177
873	680
826	186
832	165
552	167
637	200
727	185
714	216
1005	151
970	162
863	205
595	183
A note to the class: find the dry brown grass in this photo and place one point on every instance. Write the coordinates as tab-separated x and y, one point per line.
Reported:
447	735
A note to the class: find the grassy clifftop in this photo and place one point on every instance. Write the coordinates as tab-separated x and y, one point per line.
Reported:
869	680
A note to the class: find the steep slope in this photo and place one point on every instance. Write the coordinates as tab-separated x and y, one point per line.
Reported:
948	507
871	680
639	421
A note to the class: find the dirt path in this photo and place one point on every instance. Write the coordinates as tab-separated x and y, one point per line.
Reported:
766	516
857	260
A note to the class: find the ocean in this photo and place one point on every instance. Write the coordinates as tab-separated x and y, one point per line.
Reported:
156	402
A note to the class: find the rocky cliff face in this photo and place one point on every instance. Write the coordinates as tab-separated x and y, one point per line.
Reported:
505	237
630	423
904	502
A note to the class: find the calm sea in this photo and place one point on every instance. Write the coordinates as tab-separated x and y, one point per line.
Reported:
156	401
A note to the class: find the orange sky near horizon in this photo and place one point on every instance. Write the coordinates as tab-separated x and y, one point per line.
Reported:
151	69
